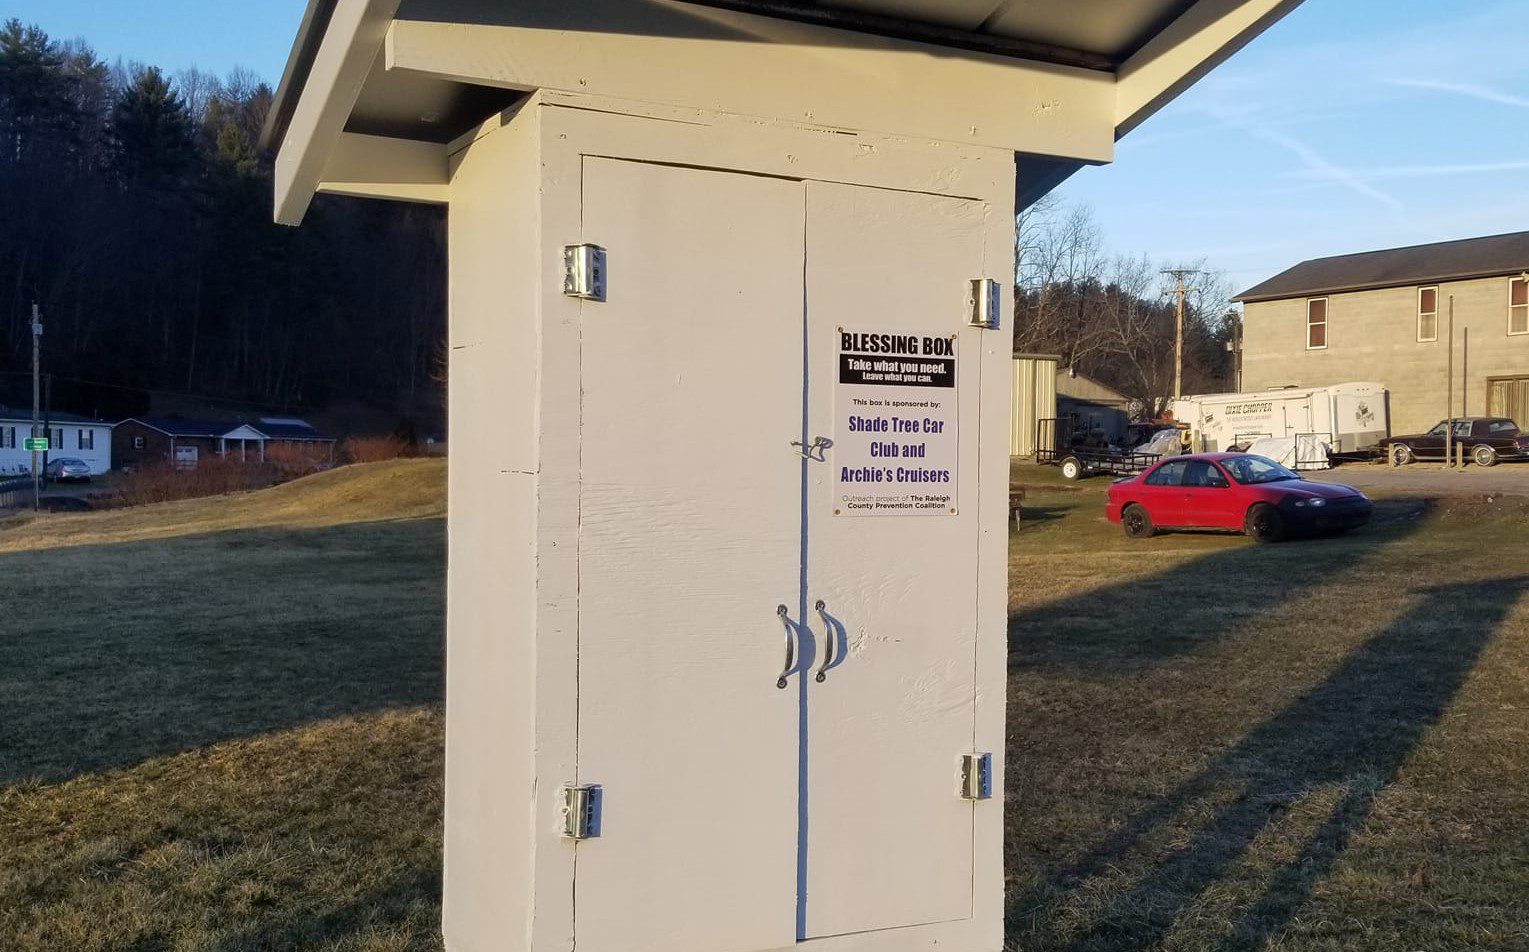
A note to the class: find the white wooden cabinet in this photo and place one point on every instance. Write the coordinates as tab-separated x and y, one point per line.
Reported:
677	485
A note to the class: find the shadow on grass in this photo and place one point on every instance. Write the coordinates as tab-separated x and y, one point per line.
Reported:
1159	616
1352	733
404	905
116	653
1035	515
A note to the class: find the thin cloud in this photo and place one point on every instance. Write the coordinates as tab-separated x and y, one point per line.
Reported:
1391	173
1469	90
1315	165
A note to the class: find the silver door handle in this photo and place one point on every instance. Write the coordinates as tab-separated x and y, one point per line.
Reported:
828	642
782	612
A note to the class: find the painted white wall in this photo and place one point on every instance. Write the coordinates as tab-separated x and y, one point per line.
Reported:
524	507
18	461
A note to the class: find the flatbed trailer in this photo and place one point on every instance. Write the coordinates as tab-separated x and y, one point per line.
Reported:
1078	462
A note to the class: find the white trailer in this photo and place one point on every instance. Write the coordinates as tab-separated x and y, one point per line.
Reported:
1348	417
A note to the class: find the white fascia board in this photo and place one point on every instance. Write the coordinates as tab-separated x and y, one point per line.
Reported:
379	167
352	42
784	71
1193	45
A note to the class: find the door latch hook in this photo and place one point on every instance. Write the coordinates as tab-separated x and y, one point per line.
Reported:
816	450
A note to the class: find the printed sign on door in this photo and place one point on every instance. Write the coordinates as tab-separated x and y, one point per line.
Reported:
895	424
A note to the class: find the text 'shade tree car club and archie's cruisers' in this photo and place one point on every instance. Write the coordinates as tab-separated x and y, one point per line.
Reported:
1233	491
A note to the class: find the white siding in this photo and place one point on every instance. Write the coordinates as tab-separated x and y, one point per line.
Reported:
18	461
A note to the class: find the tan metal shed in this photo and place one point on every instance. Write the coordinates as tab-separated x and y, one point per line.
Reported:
1033	399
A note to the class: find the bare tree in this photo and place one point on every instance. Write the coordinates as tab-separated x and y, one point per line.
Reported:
1059	259
197	89
1107	317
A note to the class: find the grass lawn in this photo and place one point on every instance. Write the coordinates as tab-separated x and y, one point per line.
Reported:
220	727
1320	745
220	720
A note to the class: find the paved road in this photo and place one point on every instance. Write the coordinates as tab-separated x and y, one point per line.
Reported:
1432	478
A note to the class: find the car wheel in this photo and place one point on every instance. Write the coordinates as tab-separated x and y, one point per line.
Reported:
1137	523
1401	454
1264	524
1484	456
1071	468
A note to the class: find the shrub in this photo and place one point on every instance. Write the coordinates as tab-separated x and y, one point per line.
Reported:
374	449
291	460
212	476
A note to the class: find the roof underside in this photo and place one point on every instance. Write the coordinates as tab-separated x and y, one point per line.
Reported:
1094	35
1398	267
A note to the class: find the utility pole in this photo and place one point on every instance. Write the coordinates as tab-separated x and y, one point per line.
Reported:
1234	347
1179	290
36	401
1449	391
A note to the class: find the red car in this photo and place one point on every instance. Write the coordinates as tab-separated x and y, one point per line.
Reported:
1236	491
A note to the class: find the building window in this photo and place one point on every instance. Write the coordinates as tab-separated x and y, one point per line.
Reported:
86	439
1316	324
7	437
56	439
1518	305
137	442
1428	314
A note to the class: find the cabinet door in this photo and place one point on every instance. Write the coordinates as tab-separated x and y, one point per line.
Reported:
888	839
690	537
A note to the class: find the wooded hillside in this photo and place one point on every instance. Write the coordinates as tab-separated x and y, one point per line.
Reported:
135	210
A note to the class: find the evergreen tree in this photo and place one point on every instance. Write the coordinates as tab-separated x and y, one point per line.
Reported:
151	131
139	218
48	96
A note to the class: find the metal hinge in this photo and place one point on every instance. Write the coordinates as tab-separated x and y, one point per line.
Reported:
987	307
976	776
581	812
584	272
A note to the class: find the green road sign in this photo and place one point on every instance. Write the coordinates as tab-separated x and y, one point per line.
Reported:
37	444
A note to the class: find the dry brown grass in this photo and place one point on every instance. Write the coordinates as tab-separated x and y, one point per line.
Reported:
402	489
1320	745
220	728
322	837
220	724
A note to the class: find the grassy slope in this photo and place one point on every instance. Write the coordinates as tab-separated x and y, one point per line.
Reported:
219	720
1315	746
401	489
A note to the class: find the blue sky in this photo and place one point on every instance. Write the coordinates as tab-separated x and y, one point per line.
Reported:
1351	125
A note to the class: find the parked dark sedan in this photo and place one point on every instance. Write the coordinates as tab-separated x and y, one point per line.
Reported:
1487	441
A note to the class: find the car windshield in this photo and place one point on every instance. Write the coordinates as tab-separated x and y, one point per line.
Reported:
1251	470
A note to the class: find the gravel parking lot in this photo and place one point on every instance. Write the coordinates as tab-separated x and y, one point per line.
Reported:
1431	478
